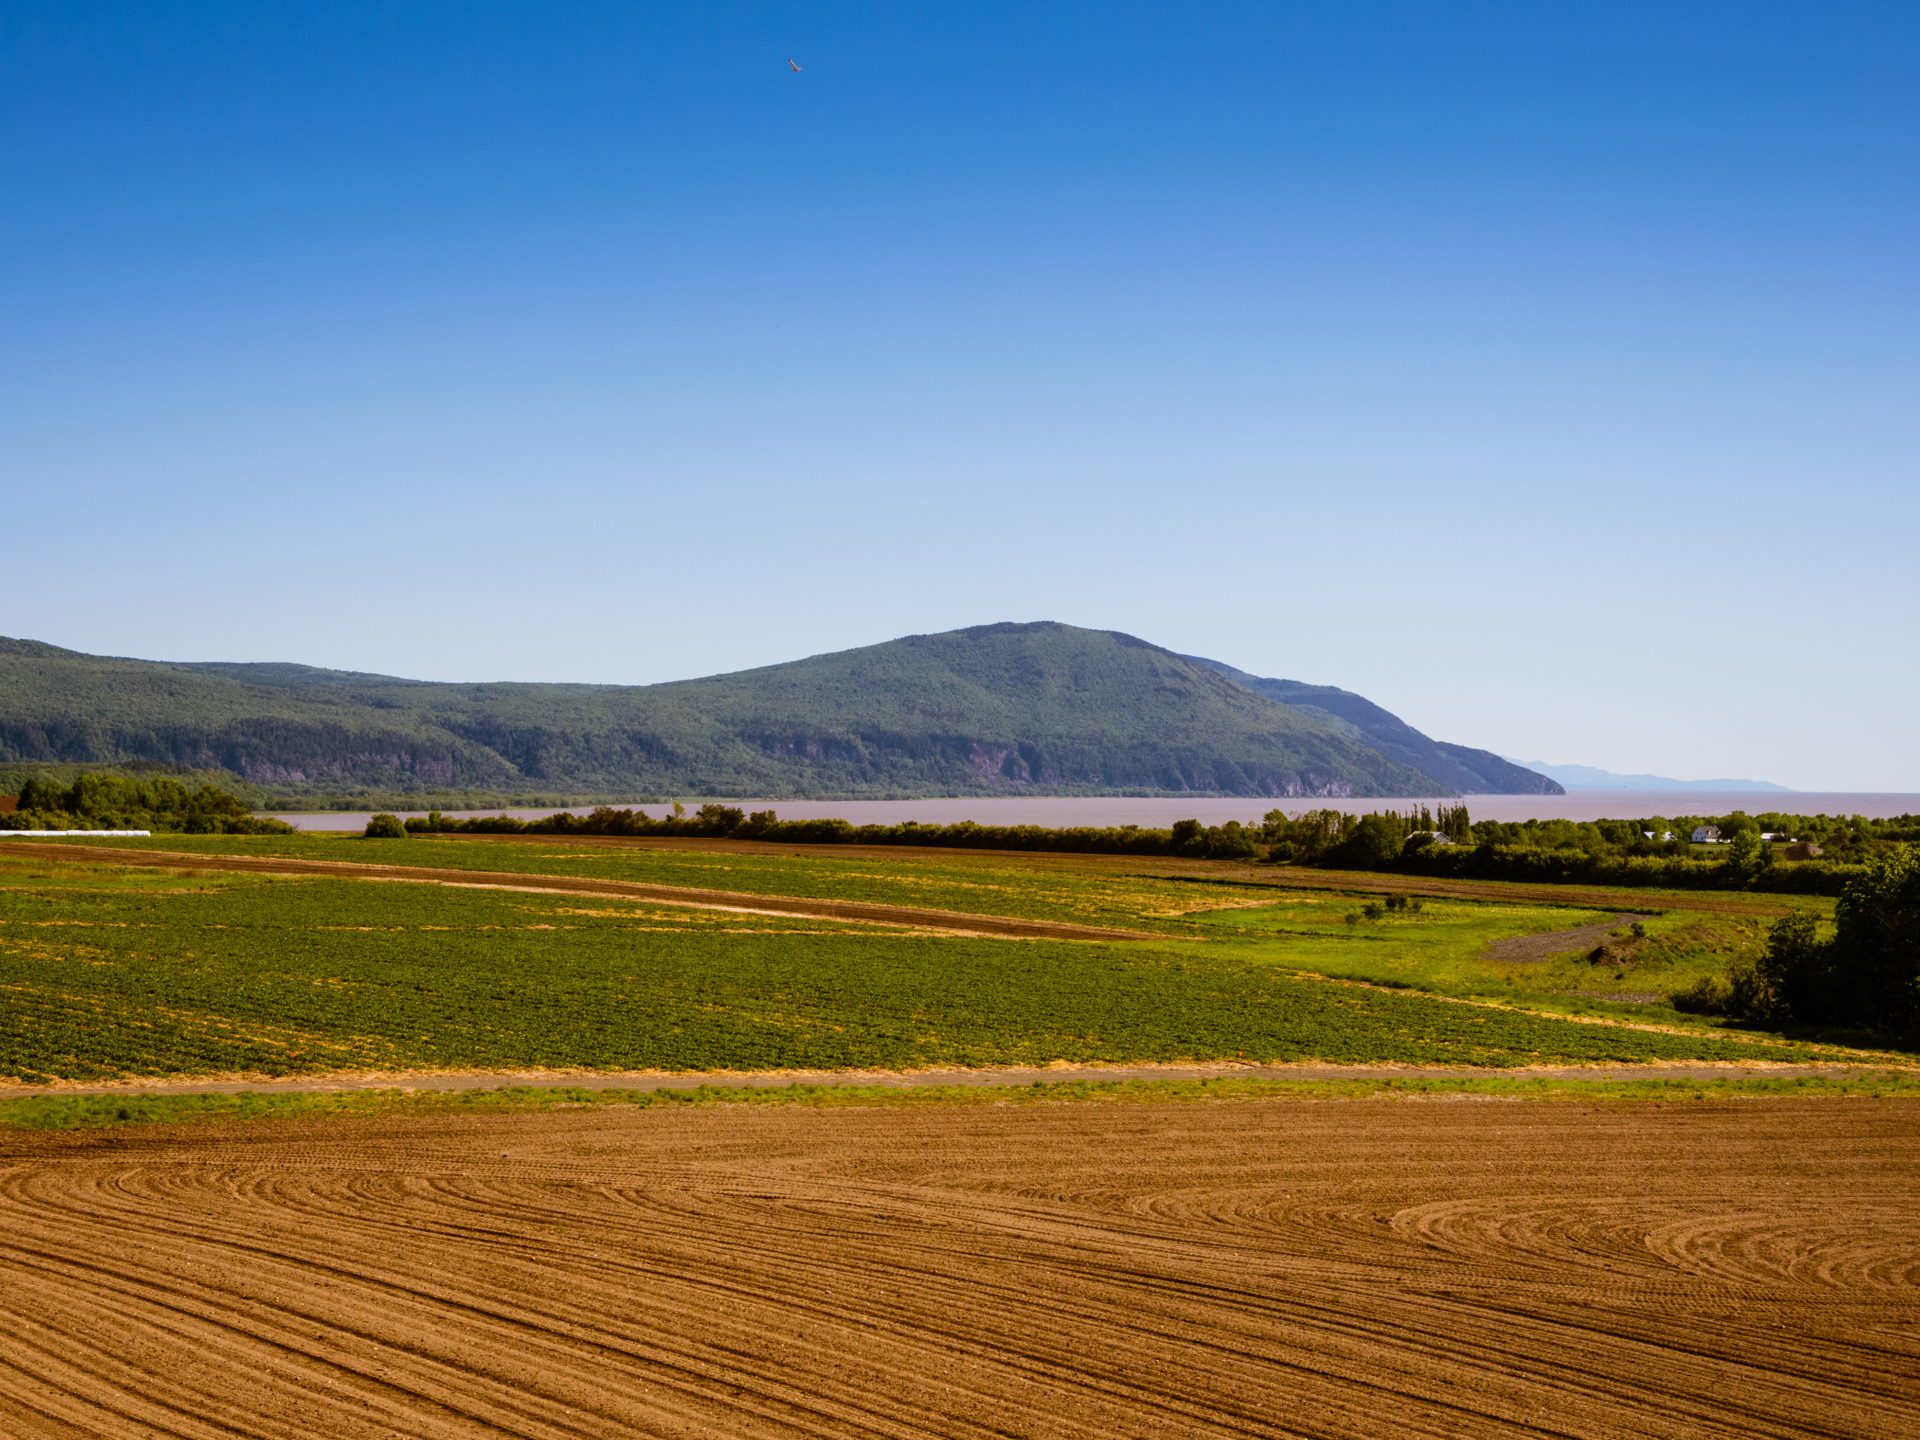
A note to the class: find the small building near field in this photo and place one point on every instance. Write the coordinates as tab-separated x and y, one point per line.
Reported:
1706	835
1802	850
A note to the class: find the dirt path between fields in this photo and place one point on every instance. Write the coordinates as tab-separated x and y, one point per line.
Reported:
1224	874
953	922
1220	1272
1007	1077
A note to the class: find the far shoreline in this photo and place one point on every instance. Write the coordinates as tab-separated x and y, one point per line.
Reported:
1161	811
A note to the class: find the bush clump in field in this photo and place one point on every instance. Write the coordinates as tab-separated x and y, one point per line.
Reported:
385	827
1388	905
1709	995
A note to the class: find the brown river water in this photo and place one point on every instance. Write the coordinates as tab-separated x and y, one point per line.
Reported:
1164	810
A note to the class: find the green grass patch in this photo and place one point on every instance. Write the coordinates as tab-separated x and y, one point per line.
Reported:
78	1112
1453	947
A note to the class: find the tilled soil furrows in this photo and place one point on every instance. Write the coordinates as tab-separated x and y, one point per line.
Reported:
1334	1269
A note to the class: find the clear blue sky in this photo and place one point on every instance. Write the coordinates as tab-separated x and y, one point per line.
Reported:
1549	373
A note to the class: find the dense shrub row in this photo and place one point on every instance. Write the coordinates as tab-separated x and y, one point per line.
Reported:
1666	872
1865	976
100	801
1188	837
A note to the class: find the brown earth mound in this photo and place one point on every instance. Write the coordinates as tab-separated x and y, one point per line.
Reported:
1535	949
1354	1269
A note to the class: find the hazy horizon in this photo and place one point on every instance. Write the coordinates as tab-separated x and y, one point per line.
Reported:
1544	374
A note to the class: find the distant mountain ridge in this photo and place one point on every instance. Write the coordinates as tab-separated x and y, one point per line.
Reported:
1589	777
995	709
1459	767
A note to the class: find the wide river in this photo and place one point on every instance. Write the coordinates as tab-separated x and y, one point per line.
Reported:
1163	811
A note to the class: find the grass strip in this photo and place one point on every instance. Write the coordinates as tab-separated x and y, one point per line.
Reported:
79	1112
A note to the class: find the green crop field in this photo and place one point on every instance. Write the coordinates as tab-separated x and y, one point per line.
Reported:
113	972
978	883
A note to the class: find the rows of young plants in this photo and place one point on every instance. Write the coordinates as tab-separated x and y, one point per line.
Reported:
284	977
1025	887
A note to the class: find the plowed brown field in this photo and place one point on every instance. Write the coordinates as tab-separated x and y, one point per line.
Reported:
1359	1269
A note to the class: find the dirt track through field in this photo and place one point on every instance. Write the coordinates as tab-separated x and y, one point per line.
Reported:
952	922
1356	1269
1221	874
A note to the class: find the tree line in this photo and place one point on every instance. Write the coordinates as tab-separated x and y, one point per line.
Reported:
1316	837
1865	975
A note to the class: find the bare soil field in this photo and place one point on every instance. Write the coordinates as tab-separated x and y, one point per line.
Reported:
1352	1269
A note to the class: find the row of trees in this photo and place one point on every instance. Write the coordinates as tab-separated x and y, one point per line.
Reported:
731	822
1845	838
1316	837
1734	867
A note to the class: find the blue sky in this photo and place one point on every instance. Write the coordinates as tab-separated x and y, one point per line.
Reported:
1546	372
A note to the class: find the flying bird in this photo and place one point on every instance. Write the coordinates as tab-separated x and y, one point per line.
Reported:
792	66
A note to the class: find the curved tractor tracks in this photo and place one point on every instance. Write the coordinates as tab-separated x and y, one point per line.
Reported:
1272	1269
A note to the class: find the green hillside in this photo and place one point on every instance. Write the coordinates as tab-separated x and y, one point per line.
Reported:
1458	767
997	709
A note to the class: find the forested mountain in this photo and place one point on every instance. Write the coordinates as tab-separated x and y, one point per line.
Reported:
997	709
1458	767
